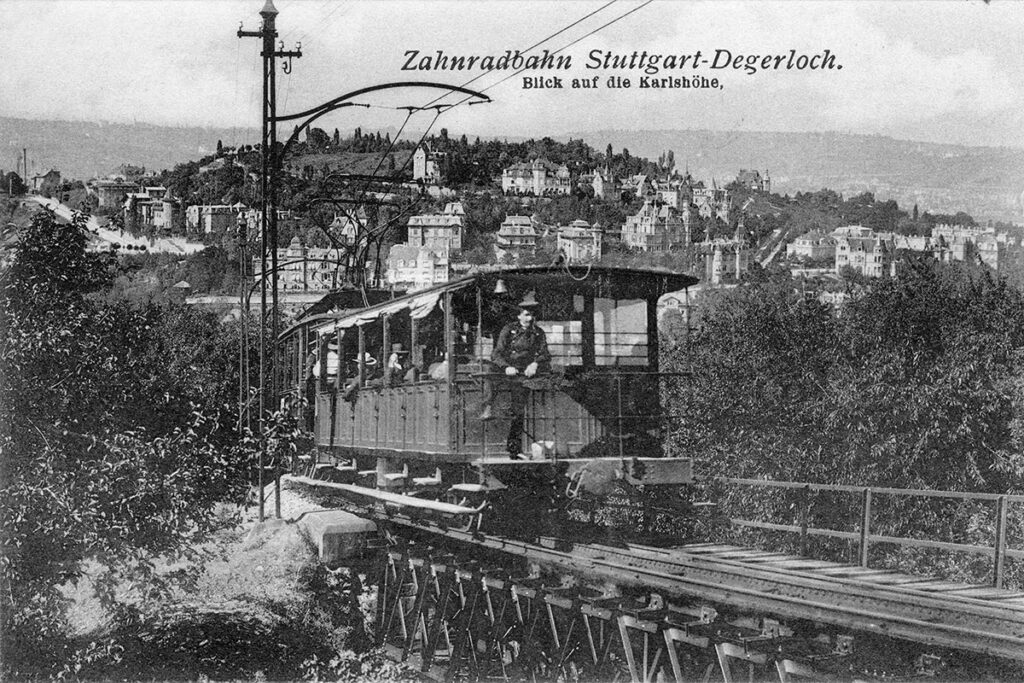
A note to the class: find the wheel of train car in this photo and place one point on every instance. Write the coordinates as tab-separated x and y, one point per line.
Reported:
528	508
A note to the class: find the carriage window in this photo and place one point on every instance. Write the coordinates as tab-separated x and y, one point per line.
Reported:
565	337
620	331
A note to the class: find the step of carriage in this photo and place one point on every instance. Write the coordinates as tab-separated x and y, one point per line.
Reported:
393	479
467	488
425	482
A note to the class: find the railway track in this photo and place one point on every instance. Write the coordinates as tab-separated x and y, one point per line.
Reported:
660	607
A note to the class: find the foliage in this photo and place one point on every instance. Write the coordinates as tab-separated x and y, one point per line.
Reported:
13	183
147	278
114	445
915	383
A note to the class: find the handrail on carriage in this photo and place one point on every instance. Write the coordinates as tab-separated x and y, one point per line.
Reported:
999	550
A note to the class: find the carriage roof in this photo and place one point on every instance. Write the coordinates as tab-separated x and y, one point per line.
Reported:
611	281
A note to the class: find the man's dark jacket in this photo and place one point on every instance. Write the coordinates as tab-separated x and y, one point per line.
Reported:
519	346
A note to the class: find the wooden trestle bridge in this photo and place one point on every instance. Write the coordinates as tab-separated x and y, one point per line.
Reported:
462	605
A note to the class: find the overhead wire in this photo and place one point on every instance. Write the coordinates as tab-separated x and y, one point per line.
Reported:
561	49
444	108
321	25
526	50
433	103
439	109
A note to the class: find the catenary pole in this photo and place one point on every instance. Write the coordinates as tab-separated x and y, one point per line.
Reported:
268	362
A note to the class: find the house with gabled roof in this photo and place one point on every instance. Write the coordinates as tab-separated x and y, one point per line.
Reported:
539	177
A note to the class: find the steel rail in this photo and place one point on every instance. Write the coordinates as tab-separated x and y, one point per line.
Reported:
954	622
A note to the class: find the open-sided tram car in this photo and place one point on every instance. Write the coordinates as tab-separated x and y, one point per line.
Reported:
413	435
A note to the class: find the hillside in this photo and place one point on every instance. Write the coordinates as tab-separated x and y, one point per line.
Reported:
986	182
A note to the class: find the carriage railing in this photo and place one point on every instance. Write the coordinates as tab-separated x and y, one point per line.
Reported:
891	527
617	422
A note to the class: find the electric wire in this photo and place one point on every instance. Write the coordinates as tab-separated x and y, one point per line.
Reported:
432	103
439	109
443	108
561	49
525	51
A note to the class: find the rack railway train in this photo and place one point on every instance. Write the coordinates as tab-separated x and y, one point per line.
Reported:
393	393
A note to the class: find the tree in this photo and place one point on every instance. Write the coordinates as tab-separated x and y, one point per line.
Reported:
13	184
916	384
317	139
113	447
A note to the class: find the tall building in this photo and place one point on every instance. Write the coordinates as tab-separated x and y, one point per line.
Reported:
306	269
580	242
606	185
412	268
212	218
539	177
517	237
427	165
753	180
864	251
960	242
813	245
711	201
439	231
656	228
111	192
726	260
153	207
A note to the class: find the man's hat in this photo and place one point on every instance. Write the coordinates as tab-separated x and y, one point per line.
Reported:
529	301
397	348
367	359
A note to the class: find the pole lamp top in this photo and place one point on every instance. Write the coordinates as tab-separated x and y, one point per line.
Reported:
268	9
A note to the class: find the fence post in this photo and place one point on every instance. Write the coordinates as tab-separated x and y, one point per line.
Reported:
805	504
865	527
1000	552
618	395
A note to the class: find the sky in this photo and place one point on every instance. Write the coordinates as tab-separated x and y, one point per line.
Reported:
947	71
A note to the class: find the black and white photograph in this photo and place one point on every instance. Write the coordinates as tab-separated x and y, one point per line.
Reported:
645	341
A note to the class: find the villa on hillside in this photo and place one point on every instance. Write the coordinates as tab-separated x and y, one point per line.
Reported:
538	177
517	237
655	228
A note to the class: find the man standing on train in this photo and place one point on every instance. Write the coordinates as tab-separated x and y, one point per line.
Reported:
521	352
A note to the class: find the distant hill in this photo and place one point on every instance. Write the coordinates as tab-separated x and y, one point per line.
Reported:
986	182
81	150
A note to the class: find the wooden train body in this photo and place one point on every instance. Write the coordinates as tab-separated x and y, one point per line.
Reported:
393	391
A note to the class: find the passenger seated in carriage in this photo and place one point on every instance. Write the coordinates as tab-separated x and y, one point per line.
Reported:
396	369
370	373
520	354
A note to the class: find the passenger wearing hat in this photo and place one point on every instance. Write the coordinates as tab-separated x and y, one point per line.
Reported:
396	369
352	388
520	352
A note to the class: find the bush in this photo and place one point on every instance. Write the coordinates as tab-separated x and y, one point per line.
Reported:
115	447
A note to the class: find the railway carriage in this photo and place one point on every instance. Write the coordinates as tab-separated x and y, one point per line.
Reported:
395	391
